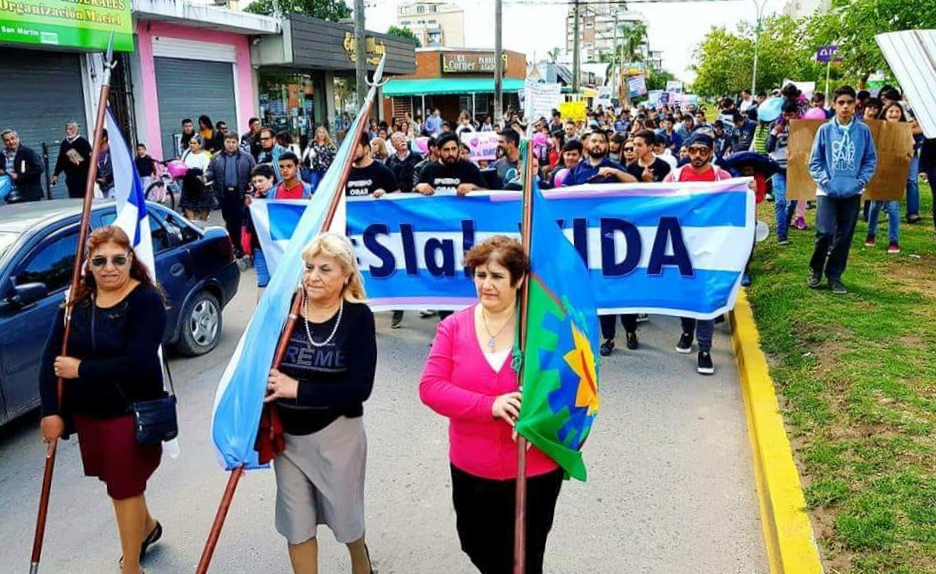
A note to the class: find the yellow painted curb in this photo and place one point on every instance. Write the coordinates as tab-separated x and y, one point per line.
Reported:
788	534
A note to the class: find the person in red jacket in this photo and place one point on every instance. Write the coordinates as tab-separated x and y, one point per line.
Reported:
469	377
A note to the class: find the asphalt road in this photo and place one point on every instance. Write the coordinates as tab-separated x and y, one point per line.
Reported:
670	490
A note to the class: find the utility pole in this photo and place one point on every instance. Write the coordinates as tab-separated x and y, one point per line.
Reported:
498	62
614	58
576	57
360	50
759	6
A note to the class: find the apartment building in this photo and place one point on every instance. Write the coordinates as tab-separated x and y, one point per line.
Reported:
434	23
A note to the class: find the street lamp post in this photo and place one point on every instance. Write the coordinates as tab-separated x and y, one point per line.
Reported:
759	6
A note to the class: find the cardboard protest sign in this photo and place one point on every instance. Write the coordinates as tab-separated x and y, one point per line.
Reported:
800	184
483	145
892	141
894	144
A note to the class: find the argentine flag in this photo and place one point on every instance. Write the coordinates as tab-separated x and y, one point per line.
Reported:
238	402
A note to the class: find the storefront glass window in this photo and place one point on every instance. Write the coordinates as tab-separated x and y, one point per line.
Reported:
287	103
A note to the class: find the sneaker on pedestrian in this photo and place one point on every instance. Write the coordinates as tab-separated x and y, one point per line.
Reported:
643	318
706	367
425	314
837	287
894	247
869	240
815	279
768	196
606	347
396	319
632	342
745	280
685	343
913	218
782	240
801	223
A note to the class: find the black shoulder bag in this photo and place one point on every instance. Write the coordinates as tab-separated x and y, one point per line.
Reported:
154	421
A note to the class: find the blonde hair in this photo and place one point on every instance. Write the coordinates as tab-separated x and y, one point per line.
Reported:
338	247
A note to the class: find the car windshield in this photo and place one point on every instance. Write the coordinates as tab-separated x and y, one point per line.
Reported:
6	240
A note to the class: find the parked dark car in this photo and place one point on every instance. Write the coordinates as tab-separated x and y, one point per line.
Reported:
195	267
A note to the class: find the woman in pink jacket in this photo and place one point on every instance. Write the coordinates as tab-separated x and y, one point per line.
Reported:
469	378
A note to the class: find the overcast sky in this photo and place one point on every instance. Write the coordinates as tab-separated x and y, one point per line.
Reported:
536	26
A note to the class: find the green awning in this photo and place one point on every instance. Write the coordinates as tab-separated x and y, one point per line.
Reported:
436	86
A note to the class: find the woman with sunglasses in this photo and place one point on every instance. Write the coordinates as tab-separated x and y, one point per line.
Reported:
117	324
629	155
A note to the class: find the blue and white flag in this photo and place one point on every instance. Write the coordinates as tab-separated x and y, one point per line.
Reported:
663	248
239	399
131	199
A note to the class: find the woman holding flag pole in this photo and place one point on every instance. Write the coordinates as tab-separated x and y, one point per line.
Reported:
470	378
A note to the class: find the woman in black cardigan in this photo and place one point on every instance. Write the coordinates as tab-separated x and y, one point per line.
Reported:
117	325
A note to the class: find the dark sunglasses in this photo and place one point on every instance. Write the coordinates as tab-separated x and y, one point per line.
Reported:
699	150
116	261
628	149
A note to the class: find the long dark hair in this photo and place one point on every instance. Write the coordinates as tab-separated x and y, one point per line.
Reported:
138	270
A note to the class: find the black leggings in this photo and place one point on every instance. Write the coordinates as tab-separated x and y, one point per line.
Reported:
484	511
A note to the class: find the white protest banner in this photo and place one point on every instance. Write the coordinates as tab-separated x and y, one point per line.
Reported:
674	86
912	58
636	86
540	99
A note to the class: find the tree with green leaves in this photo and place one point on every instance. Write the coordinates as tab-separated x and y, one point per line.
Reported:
333	10
553	55
630	39
724	60
404	33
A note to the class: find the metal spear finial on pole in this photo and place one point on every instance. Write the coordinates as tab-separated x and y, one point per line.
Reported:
46	488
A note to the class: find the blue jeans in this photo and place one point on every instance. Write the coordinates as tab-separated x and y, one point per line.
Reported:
892	207
704	331
913	187
783	211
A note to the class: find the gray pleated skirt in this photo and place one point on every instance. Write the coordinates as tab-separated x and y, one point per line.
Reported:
320	480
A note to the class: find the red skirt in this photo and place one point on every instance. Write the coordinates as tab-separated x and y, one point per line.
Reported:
109	451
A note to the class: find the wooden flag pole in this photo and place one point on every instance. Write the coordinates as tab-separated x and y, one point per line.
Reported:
226	499
520	505
72	291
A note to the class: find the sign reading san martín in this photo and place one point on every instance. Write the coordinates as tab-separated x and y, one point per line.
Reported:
469	62
85	24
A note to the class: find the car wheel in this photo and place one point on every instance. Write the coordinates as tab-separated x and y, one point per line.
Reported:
201	325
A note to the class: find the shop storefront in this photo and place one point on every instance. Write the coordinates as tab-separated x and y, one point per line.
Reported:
452	80
48	61
193	64
306	75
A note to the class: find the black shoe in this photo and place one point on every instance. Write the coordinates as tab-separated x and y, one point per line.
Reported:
685	343
815	279
153	538
632	342
606	347
706	367
836	286
396	319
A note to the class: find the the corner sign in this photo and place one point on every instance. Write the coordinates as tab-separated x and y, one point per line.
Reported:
469	62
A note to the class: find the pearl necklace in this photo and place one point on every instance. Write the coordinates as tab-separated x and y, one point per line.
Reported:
309	331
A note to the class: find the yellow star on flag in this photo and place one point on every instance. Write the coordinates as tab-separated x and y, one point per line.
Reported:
581	360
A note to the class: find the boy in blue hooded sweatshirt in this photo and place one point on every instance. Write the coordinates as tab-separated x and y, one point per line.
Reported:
842	161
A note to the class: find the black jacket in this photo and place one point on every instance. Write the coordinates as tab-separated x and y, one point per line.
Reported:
403	170
72	171
27	165
243	164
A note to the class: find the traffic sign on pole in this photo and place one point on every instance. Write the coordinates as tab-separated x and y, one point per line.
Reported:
826	53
